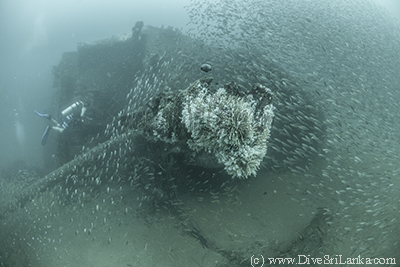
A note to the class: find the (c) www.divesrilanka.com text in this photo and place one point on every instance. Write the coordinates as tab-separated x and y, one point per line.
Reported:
327	259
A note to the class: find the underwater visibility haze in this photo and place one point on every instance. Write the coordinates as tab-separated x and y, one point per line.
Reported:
200	133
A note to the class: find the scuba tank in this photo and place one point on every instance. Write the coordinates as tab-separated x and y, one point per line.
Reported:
72	108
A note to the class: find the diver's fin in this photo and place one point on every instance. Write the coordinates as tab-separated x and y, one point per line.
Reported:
47	116
45	135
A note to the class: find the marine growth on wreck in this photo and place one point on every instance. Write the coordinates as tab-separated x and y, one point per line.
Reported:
300	101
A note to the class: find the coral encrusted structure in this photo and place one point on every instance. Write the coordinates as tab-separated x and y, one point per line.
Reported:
229	123
233	126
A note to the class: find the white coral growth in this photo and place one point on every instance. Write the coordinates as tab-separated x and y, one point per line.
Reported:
229	127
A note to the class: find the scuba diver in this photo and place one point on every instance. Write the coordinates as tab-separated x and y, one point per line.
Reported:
72	114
